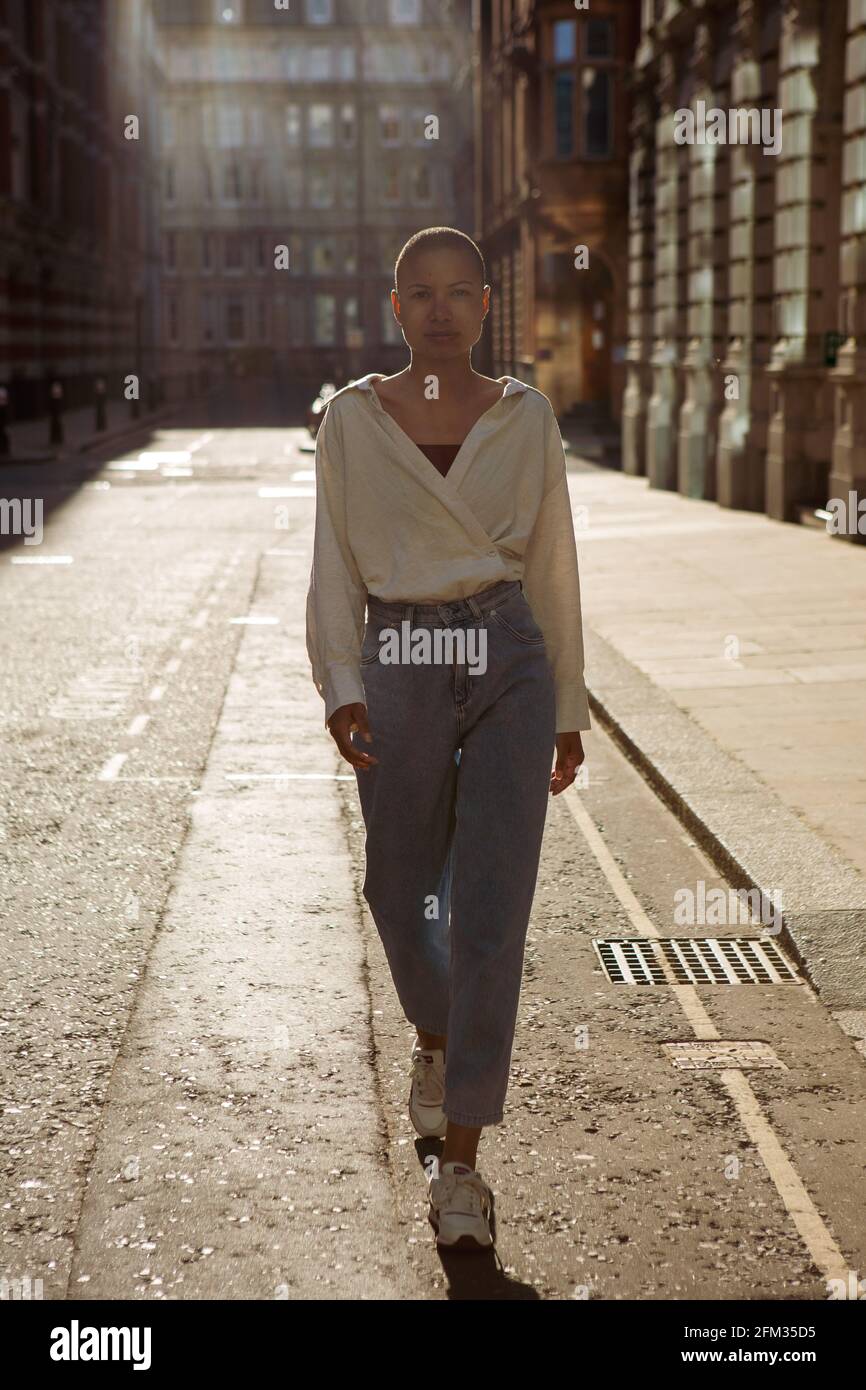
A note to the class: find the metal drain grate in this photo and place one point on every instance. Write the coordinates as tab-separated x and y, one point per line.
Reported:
719	1054
694	960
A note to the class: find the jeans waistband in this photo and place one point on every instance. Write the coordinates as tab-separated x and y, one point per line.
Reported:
448	611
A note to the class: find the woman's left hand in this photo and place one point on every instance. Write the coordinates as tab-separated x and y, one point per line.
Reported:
569	756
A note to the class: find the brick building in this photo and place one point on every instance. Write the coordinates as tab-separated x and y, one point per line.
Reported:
747	301
306	128
551	164
78	199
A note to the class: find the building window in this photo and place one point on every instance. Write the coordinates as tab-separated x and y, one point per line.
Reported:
324	255
322	188
206	253
346	63
565	41
390	184
597	111
319	63
563	107
208	319
293	126
294	187
324	320
598	35
230	127
350	254
320	11
233	254
295	243
390	132
348	129
418	125
320	125
351	322
235	326
349	187
232	183
420	190
173	321
391	330
405	11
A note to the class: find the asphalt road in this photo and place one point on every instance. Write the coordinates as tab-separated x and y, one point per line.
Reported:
204	1063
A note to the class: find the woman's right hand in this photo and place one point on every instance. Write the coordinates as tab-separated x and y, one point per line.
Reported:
341	724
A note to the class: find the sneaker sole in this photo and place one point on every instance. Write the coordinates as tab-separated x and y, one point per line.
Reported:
436	1133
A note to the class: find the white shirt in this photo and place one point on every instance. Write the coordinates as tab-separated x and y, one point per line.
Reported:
388	523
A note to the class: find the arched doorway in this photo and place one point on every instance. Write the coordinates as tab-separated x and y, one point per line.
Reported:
574	332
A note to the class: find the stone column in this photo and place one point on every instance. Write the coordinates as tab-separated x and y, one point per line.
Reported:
640	283
806	262
848	470
663	403
740	483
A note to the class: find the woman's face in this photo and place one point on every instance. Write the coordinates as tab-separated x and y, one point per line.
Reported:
441	304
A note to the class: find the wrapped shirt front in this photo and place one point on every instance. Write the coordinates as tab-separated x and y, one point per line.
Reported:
390	524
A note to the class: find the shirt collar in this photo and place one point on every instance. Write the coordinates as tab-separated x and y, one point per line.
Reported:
365	383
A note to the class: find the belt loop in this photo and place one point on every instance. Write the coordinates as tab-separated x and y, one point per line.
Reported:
476	611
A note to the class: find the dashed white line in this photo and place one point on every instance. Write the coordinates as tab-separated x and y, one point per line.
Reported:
200	618
799	1205
186	643
138	725
157	692
172	666
41	560
112	767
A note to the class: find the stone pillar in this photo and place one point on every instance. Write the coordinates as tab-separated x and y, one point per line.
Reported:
848	470
640	283
740	481
695	456
806	262
663	403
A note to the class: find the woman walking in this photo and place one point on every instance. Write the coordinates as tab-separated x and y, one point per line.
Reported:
442	509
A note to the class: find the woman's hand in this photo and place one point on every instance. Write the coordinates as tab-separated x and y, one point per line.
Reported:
341	724
569	756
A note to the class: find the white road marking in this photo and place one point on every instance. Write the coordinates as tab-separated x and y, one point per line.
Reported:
200	442
112	767
200	618
289	776
172	666
164	456
138	725
157	692
186	643
254	619
40	560
799	1205
286	492
305	475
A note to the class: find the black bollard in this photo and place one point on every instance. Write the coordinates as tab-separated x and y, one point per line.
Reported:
99	389
55	410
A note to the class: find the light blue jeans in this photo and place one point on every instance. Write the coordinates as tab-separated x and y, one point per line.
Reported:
454	813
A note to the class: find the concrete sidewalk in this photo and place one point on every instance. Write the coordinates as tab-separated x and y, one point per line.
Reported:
727	653
29	440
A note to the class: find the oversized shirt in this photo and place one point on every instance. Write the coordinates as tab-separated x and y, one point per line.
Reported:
389	524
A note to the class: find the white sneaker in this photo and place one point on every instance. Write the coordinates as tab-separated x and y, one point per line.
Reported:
461	1206
427	1093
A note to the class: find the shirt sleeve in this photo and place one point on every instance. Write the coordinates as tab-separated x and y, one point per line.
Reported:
552	586
337	596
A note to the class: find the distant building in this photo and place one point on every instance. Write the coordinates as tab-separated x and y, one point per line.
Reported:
747	323
551	161
78	200
302	147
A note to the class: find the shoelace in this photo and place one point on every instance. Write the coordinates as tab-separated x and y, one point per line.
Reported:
472	1187
429	1088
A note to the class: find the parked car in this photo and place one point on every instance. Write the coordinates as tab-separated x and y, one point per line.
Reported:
317	409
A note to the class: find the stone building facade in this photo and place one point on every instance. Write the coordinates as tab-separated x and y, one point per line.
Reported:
335	129
551	170
747	269
78	199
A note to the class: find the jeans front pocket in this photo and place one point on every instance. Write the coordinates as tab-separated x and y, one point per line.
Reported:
515	617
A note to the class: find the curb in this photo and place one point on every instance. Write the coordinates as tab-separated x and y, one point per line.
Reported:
753	837
92	442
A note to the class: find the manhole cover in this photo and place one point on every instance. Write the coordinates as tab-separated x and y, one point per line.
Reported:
694	960
715	1056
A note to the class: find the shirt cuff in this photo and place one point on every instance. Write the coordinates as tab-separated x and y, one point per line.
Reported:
572	712
342	686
